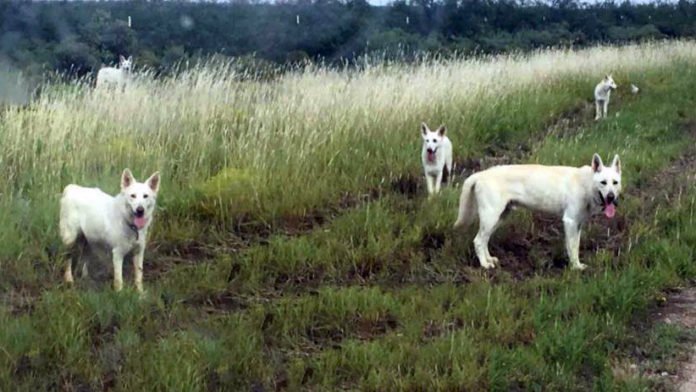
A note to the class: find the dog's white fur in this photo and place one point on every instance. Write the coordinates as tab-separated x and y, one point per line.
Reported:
573	193
602	92
436	156
121	222
117	77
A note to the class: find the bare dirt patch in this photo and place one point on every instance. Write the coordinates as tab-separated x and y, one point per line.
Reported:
680	310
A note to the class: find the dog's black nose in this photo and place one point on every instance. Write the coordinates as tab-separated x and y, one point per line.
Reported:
140	211
611	198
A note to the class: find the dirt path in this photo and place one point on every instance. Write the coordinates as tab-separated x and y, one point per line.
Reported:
681	311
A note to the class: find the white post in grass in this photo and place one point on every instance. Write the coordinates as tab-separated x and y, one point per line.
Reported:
129	21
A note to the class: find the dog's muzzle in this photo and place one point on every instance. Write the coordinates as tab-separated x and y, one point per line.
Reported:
610	199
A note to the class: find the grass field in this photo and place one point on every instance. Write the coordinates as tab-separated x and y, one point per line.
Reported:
294	247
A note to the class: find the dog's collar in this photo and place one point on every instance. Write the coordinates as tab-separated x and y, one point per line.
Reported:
134	229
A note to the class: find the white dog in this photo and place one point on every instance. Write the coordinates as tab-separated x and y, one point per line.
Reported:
115	76
120	221
602	92
436	156
573	193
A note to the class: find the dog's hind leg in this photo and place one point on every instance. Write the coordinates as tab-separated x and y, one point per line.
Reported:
85	269
67	275
489	217
69	236
446	174
598	110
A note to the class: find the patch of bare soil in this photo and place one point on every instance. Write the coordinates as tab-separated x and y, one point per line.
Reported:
680	310
680	306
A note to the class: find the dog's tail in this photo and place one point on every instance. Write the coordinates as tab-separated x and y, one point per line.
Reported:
467	203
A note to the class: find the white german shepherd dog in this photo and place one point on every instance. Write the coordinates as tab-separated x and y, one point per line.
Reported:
573	193
602	92
117	77
436	156
121	222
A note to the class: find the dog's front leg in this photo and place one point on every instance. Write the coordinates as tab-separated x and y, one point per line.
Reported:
598	111
606	105
438	181
138	269
429	183
572	233
117	258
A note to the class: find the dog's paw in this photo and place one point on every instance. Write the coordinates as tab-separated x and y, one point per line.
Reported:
579	266
494	261
487	265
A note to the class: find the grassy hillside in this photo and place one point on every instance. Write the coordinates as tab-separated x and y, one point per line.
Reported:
295	247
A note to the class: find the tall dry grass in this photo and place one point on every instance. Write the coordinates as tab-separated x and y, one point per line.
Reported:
301	140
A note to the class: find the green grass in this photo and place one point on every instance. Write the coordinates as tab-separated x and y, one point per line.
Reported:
324	266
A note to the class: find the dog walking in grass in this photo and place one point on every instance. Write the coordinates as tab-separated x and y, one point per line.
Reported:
117	77
572	193
602	92
436	156
120	221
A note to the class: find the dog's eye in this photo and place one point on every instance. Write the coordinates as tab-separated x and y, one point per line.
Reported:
615	182
603	182
145	196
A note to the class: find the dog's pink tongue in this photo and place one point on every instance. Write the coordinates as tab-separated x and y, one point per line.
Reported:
431	156
609	210
139	222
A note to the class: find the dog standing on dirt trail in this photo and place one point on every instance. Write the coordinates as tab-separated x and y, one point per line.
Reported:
436	156
120	221
573	193
602	92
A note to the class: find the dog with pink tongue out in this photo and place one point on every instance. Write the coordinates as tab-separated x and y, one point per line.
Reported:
436	156
121	222
573	193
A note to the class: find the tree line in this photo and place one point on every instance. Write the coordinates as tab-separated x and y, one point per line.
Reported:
77	37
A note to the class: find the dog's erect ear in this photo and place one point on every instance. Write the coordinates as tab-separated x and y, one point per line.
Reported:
597	164
121	58
442	130
130	58
616	163
424	129
154	181
127	179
